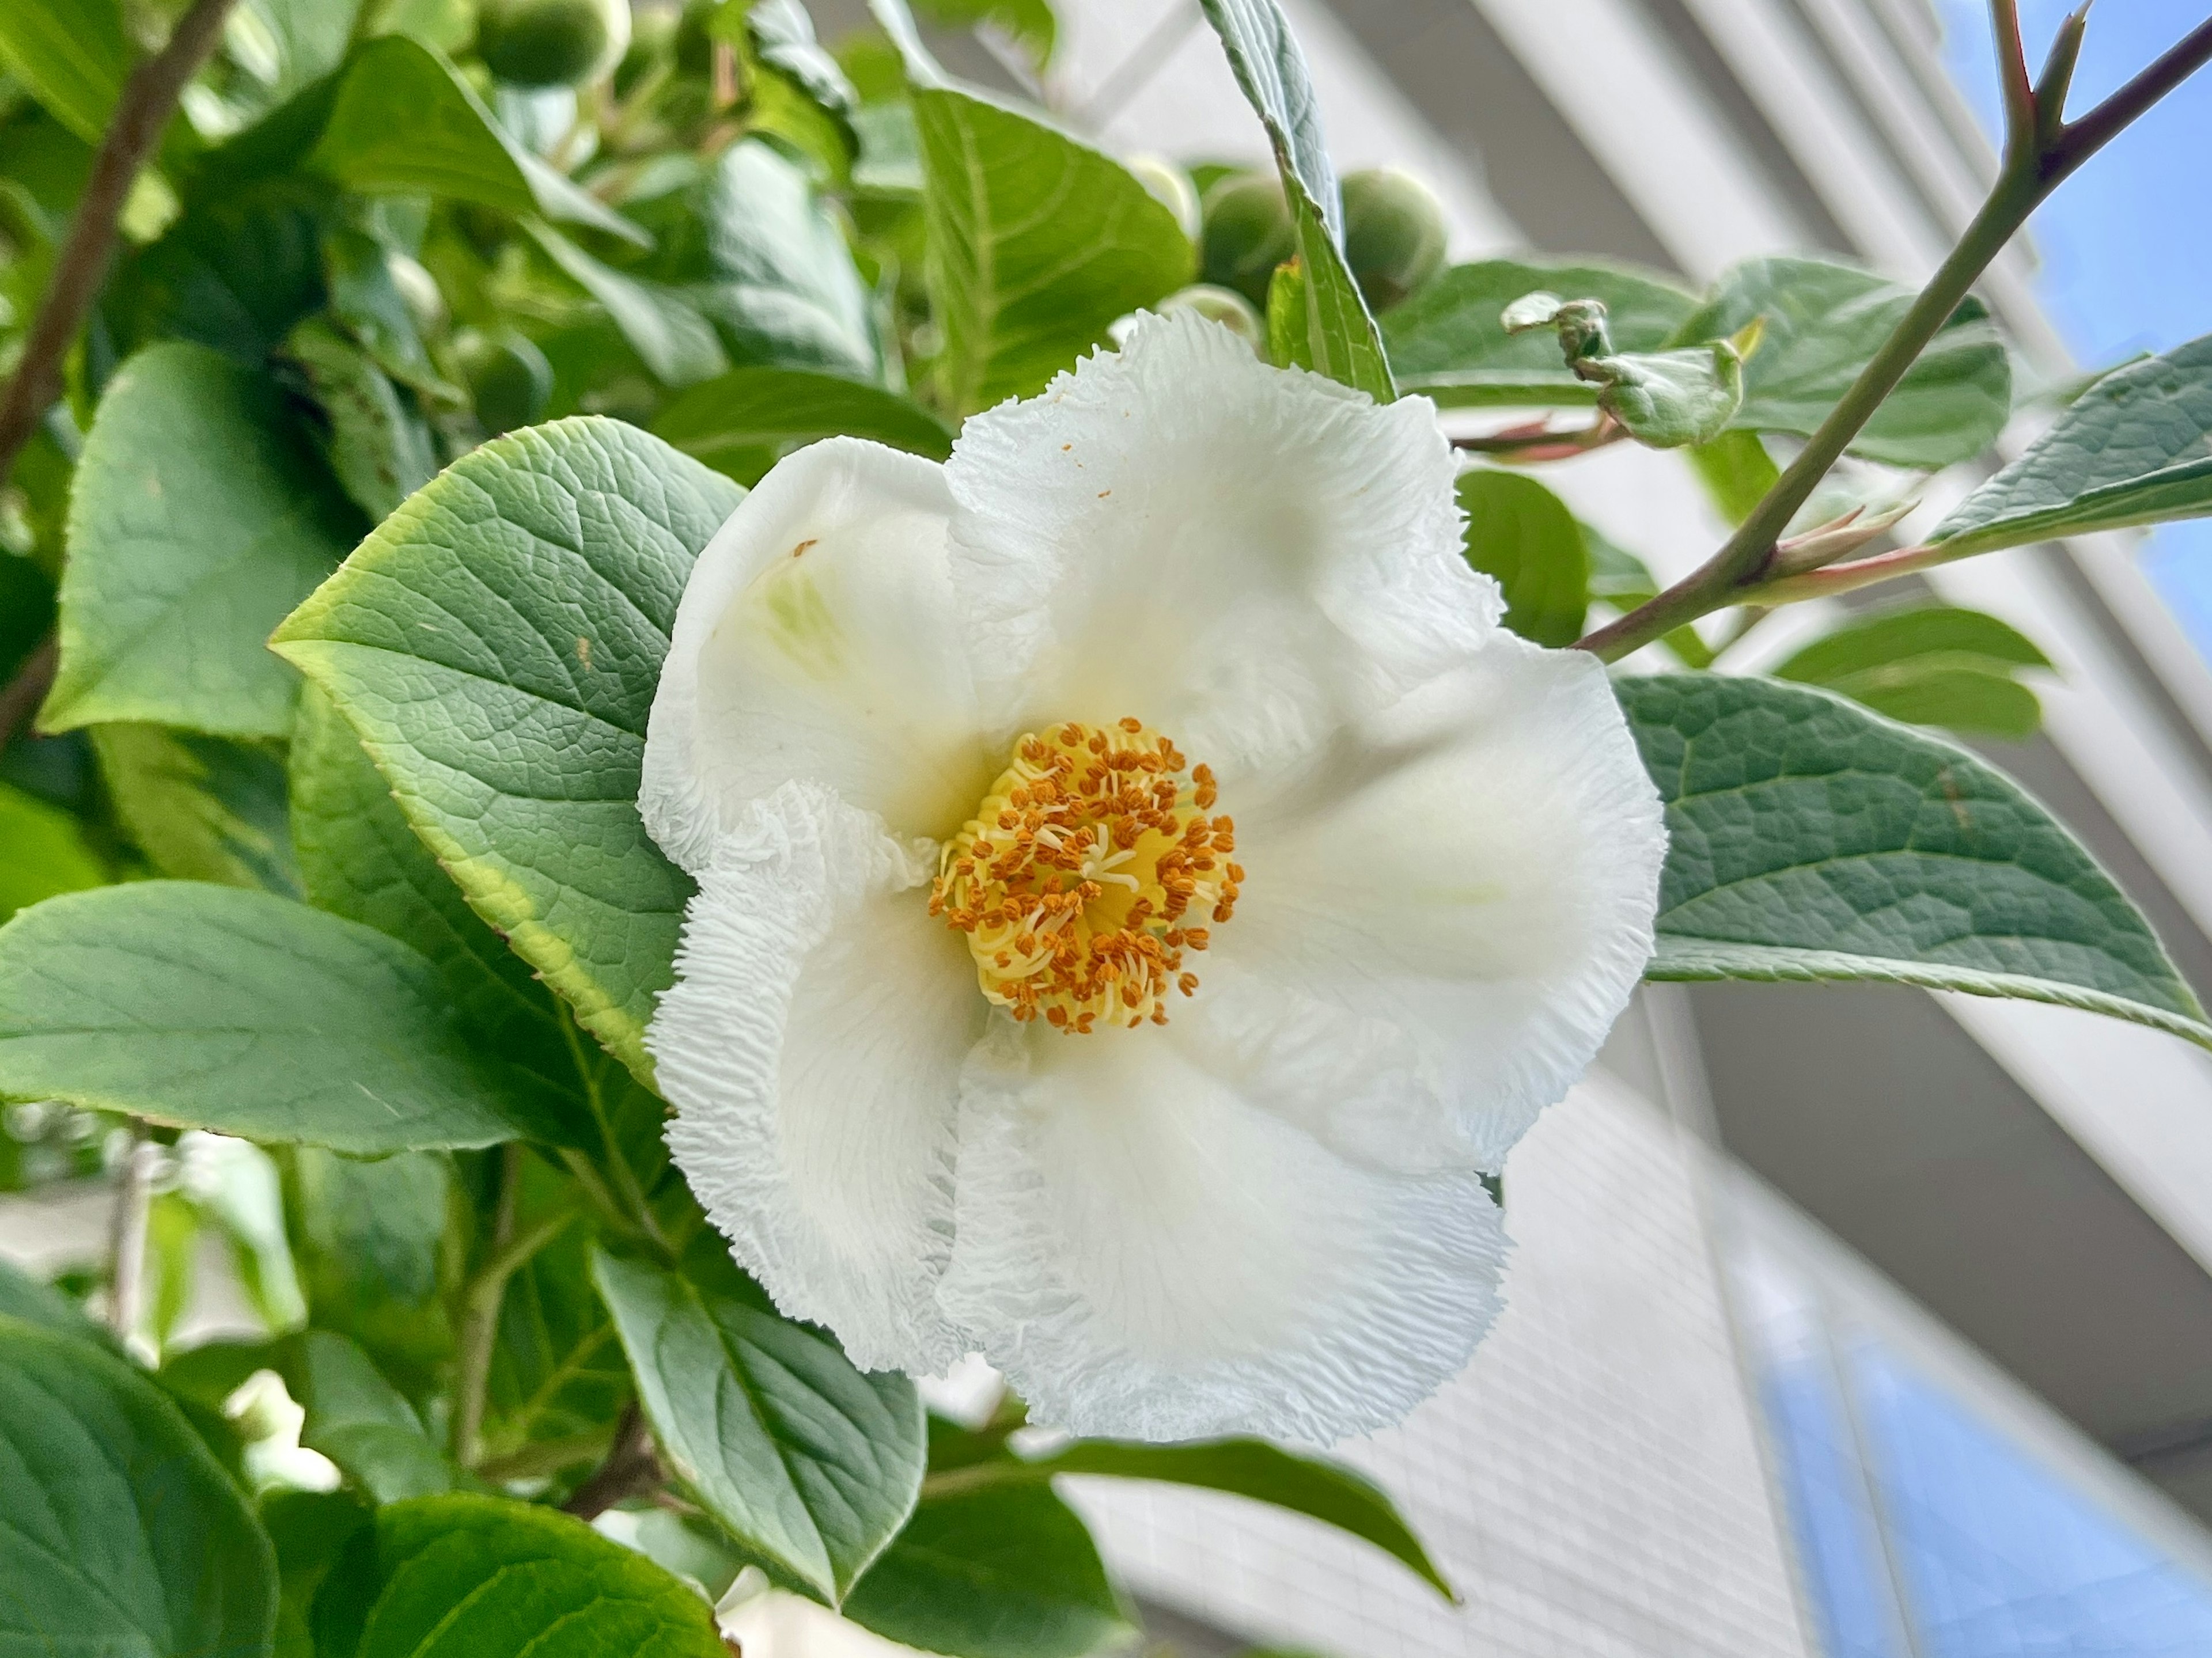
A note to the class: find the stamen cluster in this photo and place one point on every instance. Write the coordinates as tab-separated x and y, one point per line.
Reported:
1088	870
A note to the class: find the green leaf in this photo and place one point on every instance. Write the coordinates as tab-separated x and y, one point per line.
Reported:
367	1247
311	1530
1810	840
671	339
497	642
1522	534
808	1463
236	271
1822	324
1737	473
740	423
1028	24
73	57
199	517
1341	340
749	245
1037	242
377	442
360	1420
42	852
200	808
2136	448
24	1298
214	1007
358	858
124	1534
994	1572
1937	665
1327	1492
366	298
402	120
1448	341
464	1576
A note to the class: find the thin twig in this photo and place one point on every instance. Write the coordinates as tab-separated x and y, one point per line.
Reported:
2040	151
631	1469
126	1233
148	99
20	697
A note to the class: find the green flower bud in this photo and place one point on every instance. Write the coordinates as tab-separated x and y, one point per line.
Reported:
1170	187
1248	233
509	380
552	43
1224	305
1394	234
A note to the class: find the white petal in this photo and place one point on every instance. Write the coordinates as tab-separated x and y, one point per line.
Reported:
1240	555
817	638
1477	867
812	1047
1145	1249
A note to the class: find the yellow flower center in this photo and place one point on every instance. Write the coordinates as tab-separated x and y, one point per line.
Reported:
1089	868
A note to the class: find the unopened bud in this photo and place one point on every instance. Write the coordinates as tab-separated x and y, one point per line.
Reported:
1246	233
1394	234
551	43
509	379
1170	187
1224	305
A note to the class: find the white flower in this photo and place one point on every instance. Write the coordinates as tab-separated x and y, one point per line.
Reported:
906	1081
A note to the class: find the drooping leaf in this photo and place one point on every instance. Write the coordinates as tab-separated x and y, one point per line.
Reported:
233	1186
200	808
200	515
365	298
807	1462
43	852
671	339
214	1007
360	1420
377	442
124	1534
749	244
1821	324
558	1376
1936	666
358	858
463	1576
1522	534
402	120
1037	243
1327	1492
1341	339
2136	448
72	55
1810	839
740	423
993	1572
504	631
1448	342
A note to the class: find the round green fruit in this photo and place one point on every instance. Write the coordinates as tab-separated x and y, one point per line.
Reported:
1394	234
552	43
509	380
1246	233
1224	305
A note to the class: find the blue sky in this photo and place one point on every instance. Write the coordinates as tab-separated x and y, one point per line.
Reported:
2126	244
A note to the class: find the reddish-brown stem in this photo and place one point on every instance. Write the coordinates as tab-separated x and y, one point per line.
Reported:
148	99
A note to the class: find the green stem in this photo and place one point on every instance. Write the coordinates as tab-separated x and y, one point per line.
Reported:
476	1332
2041	150
636	1214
